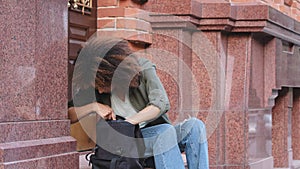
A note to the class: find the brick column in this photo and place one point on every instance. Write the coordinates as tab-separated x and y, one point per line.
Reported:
124	18
34	130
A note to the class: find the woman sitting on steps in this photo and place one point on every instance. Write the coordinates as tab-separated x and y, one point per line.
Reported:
130	86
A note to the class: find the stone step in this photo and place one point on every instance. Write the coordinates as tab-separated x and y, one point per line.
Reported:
31	149
83	163
65	161
296	164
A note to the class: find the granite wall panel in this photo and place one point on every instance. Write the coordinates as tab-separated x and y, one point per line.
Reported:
280	130
32	37
34	130
296	124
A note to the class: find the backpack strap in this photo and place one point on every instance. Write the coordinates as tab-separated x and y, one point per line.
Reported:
88	156
113	163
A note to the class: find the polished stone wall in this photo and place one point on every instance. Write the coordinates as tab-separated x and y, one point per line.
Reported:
243	58
33	92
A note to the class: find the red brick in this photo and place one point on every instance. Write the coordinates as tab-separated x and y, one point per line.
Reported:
103	3
126	34
128	3
106	23
288	2
126	23
285	9
278	1
243	0
137	13
144	37
296	5
132	12
120	11
111	12
134	24
294	13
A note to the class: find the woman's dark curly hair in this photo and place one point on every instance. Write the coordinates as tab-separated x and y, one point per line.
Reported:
103	61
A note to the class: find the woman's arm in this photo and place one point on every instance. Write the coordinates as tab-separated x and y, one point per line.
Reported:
158	99
148	113
77	113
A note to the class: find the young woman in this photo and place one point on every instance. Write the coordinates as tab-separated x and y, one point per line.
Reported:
110	80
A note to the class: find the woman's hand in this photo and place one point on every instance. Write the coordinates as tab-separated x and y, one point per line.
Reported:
104	111
77	113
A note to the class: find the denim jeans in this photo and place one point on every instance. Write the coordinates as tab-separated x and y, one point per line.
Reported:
166	142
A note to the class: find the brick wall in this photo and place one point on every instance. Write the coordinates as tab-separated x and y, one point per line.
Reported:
288	7
127	19
123	18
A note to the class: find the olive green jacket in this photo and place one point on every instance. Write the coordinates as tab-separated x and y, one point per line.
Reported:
149	92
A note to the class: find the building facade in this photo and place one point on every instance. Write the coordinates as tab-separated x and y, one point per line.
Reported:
233	64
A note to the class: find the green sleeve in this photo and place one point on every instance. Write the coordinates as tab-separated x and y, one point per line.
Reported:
156	93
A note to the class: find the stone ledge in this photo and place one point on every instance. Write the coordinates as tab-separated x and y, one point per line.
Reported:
60	161
33	130
296	164
24	150
232	18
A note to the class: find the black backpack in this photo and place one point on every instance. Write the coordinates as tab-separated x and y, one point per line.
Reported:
119	145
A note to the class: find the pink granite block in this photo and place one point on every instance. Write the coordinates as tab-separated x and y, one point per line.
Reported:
214	122
216	10
235	140
31	89
251	12
203	83
61	161
280	130
213	147
187	82
296	125
51	86
215	24
256	86
166	55
174	7
269	71
221	140
216	139
196	8
165	39
21	131
206	66
23	150
17	71
171	87
237	70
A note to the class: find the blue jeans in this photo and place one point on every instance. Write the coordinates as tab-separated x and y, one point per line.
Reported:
165	142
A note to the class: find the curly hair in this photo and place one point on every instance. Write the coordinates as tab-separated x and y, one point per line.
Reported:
102	62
